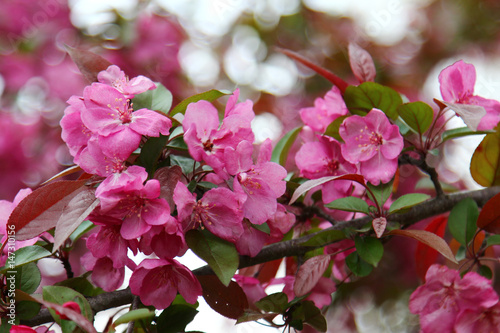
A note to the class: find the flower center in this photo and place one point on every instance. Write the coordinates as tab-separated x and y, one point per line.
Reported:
376	139
208	146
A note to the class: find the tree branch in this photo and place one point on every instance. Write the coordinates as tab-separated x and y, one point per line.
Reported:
294	247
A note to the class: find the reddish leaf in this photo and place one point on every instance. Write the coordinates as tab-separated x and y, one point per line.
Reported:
310	184
89	63
379	225
489	217
429	239
485	162
73	214
229	301
361	62
168	178
66	172
40	210
337	81
309	274
425	255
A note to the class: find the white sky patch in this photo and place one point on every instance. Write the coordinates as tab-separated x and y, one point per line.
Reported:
201	65
266	126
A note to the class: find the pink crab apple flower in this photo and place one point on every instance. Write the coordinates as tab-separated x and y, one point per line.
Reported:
251	286
257	185
139	207
251	241
280	223
445	295
74	132
457	86
218	210
157	281
324	158
93	161
116	78
479	320
120	128
325	110
108	242
27	329
206	138
164	241
374	143
104	274
321	294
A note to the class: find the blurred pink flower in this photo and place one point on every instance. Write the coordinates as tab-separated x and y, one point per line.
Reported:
444	296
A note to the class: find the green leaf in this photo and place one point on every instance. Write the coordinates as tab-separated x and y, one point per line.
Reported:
29	278
159	99
81	230
133	316
187	164
461	132
61	295
175	318
314	317
368	95
485	271
325	237
485	162
275	303
370	249
407	201
210	96
333	129
350	204
493	240
280	151
82	285
357	265
264	227
381	192
27	309
219	254
462	221
24	256
417	115
151	152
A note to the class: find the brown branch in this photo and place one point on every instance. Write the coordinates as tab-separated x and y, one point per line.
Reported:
294	247
422	165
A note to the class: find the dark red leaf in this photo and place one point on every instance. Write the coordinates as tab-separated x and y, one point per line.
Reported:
425	255
40	210
269	270
89	63
337	81
429	239
361	63
489	217
168	178
229	301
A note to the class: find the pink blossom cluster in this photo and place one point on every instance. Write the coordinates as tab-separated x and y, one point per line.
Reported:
371	146
102	130
449	303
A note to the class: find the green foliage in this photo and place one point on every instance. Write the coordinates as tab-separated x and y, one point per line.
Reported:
151	151
368	95
357	265
485	162
175	318
333	129
407	201
417	115
159	99
350	204
25	255
209	96
462	221
280	151
219	254
370	249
